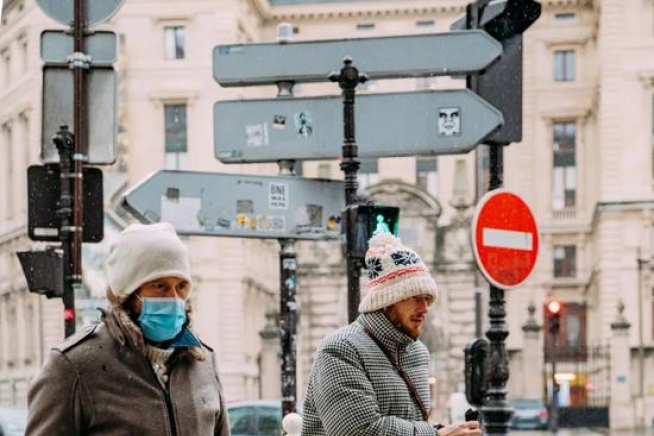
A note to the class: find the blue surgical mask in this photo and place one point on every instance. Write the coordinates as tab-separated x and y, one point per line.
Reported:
162	319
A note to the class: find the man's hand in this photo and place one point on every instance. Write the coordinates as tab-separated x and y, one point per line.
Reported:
468	428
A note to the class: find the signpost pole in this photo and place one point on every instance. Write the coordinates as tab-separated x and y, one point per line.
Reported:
348	79
288	322
65	143
288	294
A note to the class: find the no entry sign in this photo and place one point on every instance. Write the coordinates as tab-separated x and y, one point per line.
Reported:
505	238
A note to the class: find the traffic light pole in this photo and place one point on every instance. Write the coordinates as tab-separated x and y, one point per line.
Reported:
65	143
554	413
496	411
348	79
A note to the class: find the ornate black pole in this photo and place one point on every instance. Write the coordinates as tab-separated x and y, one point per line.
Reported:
496	410
348	79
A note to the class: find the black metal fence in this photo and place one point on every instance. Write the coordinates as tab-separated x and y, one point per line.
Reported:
584	378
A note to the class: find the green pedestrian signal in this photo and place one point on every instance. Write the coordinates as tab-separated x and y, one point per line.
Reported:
366	222
382	219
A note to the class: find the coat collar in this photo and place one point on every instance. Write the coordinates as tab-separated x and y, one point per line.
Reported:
380	326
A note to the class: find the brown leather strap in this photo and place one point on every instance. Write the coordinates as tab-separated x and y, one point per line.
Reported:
400	371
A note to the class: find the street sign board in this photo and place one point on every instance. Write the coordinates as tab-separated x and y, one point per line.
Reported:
44	194
58	107
237	205
505	238
388	125
58	45
388	57
95	11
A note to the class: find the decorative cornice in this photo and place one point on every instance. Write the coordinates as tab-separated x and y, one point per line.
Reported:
313	11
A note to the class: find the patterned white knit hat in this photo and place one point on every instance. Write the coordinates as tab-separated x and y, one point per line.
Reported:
146	252
395	273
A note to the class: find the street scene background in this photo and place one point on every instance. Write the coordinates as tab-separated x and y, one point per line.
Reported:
585	167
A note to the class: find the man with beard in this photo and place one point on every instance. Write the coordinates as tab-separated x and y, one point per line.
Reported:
371	377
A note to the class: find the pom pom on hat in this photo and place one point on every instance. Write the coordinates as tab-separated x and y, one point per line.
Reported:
395	273
143	253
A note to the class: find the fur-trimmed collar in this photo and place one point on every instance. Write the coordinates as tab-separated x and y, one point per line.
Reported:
123	329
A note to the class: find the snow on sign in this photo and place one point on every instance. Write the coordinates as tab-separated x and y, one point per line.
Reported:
505	238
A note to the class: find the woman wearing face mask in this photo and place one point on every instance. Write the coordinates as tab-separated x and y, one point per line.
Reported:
141	371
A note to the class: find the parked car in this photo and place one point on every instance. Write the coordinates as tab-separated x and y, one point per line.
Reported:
256	418
529	414
13	421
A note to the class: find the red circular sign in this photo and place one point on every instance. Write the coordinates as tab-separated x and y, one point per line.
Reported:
505	238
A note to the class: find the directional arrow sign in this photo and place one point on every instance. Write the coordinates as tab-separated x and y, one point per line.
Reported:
388	125
242	206
443	54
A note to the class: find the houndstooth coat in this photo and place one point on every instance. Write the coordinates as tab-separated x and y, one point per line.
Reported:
354	390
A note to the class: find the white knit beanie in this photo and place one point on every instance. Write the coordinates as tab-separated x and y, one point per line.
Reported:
395	273
143	253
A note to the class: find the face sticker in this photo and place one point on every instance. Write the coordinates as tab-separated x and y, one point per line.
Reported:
303	123
449	121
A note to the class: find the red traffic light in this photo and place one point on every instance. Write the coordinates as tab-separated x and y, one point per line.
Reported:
554	307
69	314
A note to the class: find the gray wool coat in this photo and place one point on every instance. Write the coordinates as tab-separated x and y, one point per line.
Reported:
354	390
97	382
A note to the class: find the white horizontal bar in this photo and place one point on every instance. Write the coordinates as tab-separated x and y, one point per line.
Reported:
507	239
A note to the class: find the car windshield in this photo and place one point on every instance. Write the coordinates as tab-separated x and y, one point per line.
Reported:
527	404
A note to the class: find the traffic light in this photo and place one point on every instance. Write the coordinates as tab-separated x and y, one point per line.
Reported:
367	221
43	272
554	309
501	83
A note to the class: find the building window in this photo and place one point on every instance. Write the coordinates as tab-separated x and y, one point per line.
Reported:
425	24
564	164
427	174
8	169
564	65
368	172
565	16
565	261
174	42
6	67
24	55
175	125
364	27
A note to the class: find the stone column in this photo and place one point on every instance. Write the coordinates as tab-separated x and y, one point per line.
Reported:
621	407
532	357
270	378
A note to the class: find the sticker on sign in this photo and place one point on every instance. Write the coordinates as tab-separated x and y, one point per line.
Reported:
505	238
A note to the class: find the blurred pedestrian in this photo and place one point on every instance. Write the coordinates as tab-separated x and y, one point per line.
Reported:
141	371
371	377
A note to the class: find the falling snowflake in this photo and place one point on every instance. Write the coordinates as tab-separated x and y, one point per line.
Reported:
374	266
404	258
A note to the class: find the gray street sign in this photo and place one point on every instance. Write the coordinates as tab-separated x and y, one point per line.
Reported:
236	205
58	110
95	11
58	45
437	54
388	125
